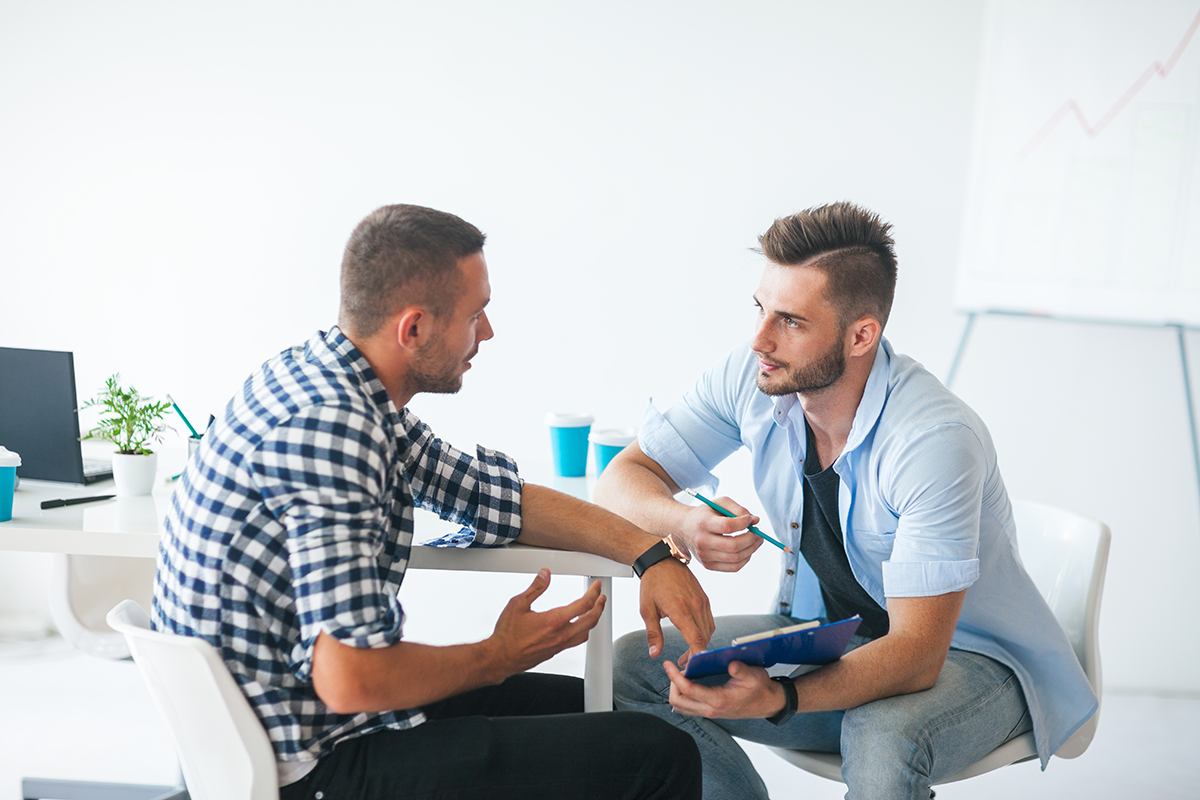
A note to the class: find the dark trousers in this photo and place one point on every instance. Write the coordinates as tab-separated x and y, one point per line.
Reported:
525	738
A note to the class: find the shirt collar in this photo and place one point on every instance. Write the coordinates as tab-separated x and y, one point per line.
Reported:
874	396
343	347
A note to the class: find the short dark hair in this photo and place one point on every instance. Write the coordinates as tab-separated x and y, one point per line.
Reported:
851	245
403	254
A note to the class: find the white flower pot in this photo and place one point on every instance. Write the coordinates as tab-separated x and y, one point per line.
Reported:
133	474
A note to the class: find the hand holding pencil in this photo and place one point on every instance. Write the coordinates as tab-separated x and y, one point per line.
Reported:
723	541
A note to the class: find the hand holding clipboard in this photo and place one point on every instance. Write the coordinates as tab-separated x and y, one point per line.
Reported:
801	644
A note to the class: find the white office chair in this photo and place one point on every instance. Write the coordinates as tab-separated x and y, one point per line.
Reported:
84	588
222	747
1066	554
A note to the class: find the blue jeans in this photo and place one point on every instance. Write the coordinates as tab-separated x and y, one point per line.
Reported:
892	748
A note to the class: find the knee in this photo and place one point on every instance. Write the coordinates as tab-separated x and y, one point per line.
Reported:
883	751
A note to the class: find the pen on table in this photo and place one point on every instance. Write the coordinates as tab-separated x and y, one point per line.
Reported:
179	411
726	513
74	501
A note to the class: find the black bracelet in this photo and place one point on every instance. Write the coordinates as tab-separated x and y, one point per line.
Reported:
793	701
648	559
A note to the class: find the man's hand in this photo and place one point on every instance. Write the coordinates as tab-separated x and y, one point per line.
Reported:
524	638
669	589
408	674
748	694
721	544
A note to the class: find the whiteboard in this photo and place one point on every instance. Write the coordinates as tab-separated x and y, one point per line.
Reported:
1084	198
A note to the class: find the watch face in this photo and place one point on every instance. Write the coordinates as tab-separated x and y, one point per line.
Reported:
676	551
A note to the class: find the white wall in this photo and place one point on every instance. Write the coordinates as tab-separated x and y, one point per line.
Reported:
176	185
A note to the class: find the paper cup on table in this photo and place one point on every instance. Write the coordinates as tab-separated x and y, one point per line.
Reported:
9	461
607	442
569	442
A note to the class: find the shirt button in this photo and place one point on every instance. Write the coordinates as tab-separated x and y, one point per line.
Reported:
795	525
791	572
784	606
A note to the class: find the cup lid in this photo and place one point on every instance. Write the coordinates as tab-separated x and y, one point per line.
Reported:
614	437
566	419
8	458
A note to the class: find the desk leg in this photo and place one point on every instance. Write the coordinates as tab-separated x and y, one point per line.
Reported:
597	668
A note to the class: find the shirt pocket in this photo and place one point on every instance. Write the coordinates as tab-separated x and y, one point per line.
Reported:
873	547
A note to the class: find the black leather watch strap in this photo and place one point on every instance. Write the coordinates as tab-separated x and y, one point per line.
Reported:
648	559
793	701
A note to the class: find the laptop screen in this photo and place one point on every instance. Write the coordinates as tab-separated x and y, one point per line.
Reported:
39	416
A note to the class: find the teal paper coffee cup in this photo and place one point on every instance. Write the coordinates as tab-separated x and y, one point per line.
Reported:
569	442
9	461
607	442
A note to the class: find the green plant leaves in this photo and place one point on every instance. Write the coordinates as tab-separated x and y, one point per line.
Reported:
127	419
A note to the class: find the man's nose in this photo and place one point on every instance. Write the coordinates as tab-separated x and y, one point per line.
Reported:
762	343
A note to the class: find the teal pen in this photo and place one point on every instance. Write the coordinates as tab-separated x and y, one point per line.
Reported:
725	513
179	411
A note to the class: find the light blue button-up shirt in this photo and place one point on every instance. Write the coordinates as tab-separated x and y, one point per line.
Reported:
922	504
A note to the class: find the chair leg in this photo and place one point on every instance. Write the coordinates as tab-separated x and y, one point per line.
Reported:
45	789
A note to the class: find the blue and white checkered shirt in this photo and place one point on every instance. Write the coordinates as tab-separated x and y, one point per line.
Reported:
296	517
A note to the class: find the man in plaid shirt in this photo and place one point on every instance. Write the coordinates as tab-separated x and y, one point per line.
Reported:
290	531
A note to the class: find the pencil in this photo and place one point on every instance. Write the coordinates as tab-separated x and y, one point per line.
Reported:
179	411
726	513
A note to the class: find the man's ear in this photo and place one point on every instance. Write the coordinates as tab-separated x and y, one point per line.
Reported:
864	335
413	327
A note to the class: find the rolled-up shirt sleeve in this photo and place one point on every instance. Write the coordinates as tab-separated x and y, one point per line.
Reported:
482	493
938	501
322	476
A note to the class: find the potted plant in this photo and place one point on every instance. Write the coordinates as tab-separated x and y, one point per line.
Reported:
131	422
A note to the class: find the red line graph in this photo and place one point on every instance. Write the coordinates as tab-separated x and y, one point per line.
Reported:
1092	130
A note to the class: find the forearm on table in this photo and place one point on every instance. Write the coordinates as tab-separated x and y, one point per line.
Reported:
405	675
554	519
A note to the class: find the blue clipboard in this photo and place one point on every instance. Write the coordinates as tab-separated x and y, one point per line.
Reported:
821	645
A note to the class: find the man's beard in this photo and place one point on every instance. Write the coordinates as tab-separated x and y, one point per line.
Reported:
433	372
810	379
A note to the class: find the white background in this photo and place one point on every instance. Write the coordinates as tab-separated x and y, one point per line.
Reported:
176	185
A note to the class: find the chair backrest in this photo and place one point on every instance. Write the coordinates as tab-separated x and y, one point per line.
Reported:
1066	554
222	747
84	588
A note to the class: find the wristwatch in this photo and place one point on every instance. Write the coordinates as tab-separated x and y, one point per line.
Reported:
660	551
793	700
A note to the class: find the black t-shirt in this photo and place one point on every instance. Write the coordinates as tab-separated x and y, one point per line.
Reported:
822	547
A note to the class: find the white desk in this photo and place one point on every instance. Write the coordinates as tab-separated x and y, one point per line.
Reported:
130	527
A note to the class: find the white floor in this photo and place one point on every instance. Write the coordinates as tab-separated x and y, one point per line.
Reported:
67	715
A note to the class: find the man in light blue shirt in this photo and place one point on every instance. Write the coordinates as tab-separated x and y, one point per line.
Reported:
886	488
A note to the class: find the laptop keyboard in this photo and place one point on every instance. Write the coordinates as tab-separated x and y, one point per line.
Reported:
96	469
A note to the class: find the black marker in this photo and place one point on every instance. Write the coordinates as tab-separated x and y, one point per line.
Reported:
74	501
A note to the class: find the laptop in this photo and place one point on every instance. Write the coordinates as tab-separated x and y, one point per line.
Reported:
39	417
